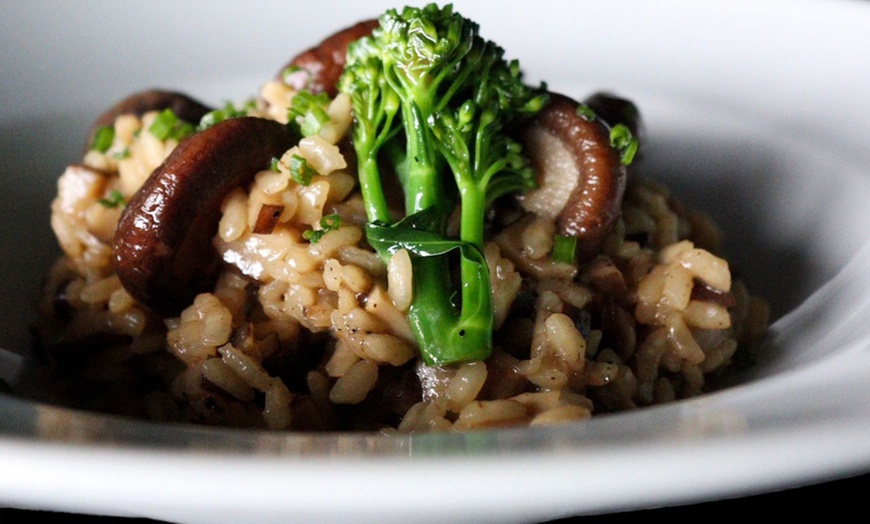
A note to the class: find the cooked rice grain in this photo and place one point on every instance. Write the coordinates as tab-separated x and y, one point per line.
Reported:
313	335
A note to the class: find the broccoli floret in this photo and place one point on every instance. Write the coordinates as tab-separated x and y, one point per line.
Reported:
435	105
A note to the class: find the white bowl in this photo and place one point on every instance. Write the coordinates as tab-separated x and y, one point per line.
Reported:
757	112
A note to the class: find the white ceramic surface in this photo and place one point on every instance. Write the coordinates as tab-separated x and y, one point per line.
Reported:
756	111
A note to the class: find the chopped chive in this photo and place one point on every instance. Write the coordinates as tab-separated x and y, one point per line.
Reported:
622	139
327	224
289	70
115	199
273	166
228	111
586	112
313	235
294	70
300	171
564	248
168	126
330	222
211	118
121	155
103	139
308	111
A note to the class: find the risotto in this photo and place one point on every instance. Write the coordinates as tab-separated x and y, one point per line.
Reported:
277	311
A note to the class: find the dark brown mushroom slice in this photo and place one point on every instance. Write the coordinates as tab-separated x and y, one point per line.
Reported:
162	249
267	218
581	178
614	110
703	292
186	108
606	278
319	68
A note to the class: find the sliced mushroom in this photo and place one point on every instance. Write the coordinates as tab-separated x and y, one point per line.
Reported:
703	292
267	219
319	68
184	107
581	178
162	248
615	110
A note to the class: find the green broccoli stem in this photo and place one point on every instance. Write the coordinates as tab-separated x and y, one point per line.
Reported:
471	230
448	334
423	185
368	140
445	335
372	190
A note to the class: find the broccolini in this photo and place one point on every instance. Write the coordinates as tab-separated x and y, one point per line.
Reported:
436	105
